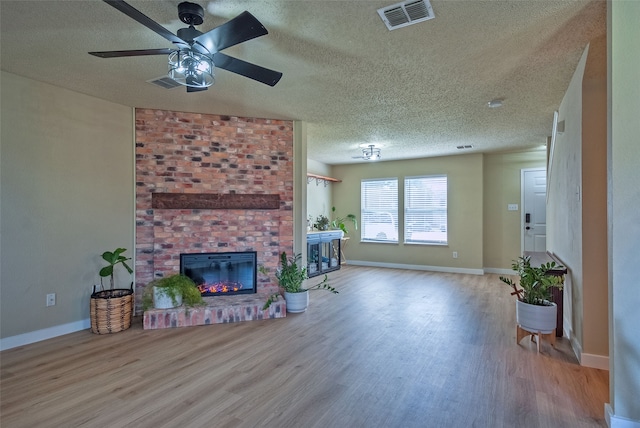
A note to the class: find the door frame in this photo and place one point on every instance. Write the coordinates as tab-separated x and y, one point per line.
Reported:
522	172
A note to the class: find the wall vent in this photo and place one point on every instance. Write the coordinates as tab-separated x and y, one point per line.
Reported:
164	82
406	13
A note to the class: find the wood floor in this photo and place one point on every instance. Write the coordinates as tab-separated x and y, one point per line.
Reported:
396	348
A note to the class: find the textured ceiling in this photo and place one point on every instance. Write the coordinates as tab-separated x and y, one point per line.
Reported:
419	91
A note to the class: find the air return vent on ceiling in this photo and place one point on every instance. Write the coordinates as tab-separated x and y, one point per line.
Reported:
406	13
164	82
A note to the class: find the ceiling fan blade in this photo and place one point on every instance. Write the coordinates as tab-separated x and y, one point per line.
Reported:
240	29
137	52
143	19
243	68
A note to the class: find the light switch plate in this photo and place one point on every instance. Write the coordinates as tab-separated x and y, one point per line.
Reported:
512	207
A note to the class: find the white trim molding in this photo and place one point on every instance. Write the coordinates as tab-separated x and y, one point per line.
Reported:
614	421
500	271
595	361
417	267
44	334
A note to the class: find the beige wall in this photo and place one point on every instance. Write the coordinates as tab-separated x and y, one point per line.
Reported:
66	197
502	228
594	200
465	215
624	209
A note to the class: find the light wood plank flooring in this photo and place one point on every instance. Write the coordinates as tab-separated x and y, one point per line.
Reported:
396	348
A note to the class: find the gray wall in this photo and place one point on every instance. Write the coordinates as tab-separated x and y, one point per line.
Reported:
577	222
624	209
66	196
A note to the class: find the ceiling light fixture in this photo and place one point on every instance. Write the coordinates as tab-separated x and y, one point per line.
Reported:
371	153
190	68
495	103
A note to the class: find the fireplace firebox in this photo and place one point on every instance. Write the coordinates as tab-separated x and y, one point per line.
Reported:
217	274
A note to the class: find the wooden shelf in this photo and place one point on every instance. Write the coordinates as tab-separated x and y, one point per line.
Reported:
321	179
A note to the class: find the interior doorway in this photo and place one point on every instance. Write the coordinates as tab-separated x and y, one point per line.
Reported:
534	209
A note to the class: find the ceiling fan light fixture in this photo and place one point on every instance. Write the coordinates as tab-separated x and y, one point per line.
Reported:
371	153
190	68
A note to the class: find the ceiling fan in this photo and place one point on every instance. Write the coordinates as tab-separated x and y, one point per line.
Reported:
192	61
371	152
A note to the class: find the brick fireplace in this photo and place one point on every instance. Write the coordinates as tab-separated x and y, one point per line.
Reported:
229	186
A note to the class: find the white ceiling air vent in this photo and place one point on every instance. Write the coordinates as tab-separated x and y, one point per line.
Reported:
165	82
406	13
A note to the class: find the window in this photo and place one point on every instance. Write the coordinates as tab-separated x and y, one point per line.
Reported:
379	210
425	209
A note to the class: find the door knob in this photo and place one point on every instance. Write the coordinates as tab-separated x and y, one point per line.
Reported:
528	228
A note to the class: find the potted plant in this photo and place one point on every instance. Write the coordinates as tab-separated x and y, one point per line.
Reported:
111	310
535	309
340	222
113	259
170	292
322	223
291	275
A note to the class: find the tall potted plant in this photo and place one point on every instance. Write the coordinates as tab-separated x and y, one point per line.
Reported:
339	222
291	274
111	310
535	309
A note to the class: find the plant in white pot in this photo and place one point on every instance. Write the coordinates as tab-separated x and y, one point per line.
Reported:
170	292
291	274
535	309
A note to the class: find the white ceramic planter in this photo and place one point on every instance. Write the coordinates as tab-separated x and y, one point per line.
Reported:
535	318
297	302
162	301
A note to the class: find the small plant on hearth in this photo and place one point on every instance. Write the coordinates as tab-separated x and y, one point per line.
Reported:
291	275
180	289
535	284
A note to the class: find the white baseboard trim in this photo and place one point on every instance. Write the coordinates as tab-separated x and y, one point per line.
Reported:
614	421
595	361
587	360
500	271
44	334
417	267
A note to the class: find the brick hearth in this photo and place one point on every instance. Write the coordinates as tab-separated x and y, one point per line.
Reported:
217	310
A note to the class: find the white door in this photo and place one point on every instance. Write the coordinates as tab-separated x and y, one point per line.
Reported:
534	210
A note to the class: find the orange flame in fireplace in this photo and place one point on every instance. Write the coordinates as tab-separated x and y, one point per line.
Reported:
219	287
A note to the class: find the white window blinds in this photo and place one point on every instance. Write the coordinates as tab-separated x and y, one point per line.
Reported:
379	210
425	209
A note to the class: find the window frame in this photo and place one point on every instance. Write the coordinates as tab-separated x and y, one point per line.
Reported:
384	217
435	218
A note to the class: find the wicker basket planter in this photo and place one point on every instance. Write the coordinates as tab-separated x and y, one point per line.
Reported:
111	310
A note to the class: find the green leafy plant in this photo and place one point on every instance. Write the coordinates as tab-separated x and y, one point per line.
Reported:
291	275
340	222
172	286
322	223
535	284
114	258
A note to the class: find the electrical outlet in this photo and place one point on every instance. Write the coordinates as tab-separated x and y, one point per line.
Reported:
455	254
51	299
